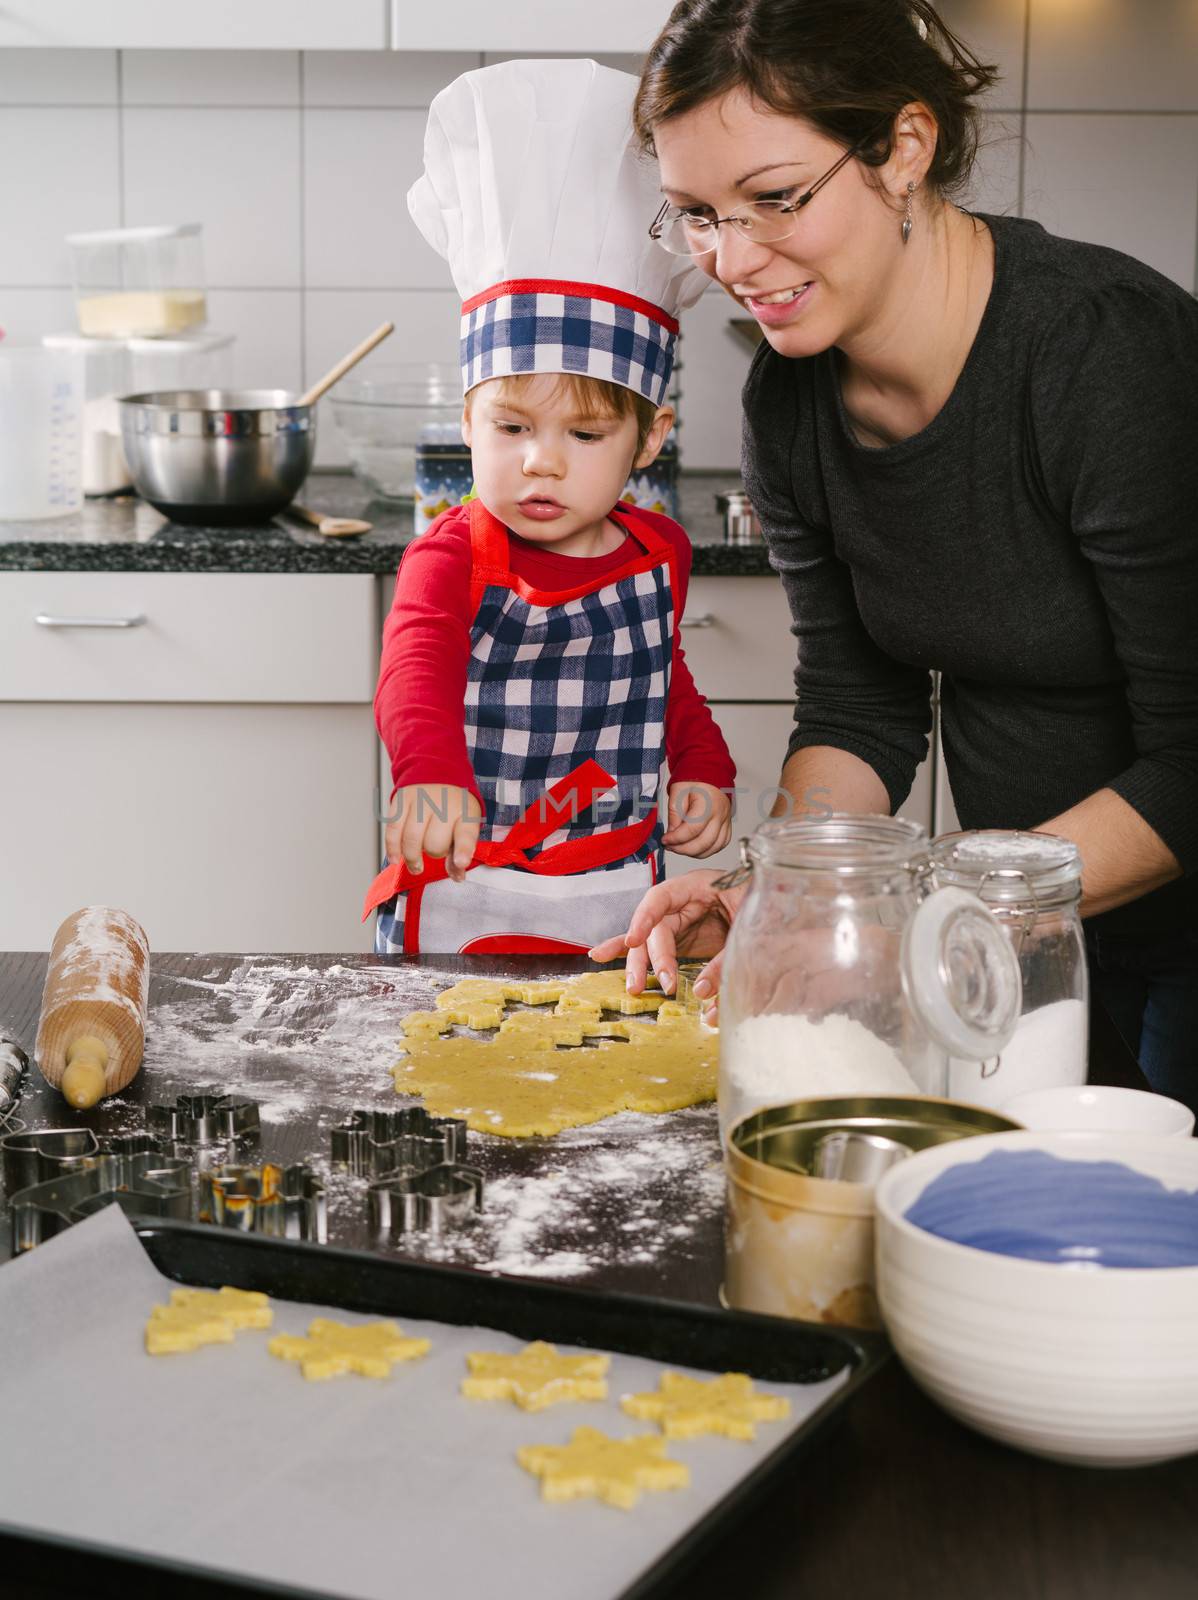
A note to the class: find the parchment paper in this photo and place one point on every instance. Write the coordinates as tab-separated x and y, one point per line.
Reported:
227	1459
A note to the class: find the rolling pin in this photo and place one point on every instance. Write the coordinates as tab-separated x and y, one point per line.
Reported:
92	1030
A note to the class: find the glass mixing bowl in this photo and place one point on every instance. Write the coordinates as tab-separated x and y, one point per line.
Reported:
385	418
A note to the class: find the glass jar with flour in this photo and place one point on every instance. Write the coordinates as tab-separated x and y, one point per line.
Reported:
846	974
1031	883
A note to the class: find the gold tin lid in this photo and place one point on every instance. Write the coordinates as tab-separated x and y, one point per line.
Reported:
771	1153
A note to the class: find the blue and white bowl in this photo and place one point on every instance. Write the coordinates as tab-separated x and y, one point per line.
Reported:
1075	1361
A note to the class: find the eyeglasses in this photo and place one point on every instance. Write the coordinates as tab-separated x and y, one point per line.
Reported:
686	232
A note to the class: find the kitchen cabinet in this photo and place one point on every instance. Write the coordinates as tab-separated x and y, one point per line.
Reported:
616	25
737	639
209	768
216	25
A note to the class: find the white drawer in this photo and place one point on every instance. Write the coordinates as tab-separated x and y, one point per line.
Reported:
737	639
216	637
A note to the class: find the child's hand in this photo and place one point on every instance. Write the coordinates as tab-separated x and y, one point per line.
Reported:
436	820
700	819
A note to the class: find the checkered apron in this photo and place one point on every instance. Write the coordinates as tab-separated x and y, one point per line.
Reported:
565	724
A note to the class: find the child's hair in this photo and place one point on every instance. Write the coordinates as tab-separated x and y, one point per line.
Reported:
597	398
847	66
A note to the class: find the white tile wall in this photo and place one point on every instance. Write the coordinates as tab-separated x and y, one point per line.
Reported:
297	165
1126	181
237	171
358	166
1113	55
210	77
61	174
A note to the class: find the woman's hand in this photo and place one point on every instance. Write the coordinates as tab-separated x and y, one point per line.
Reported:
437	820
685	915
700	819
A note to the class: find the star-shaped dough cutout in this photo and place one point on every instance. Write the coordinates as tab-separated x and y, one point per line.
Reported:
612	1470
536	1377
330	1349
686	1407
197	1317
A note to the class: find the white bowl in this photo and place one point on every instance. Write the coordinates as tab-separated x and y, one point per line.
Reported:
1094	1109
1096	1366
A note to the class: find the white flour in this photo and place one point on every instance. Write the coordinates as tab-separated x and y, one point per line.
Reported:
311	1043
633	1200
1050	1047
779	1056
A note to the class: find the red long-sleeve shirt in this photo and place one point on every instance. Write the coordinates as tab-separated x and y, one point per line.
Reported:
421	690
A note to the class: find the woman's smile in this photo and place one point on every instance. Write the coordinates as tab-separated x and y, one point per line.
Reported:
779	306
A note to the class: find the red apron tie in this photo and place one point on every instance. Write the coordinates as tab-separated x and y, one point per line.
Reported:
570	796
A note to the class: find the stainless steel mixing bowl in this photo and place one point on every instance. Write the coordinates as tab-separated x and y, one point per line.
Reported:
218	456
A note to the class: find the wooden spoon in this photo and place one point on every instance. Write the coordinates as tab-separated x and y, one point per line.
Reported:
335	527
334	374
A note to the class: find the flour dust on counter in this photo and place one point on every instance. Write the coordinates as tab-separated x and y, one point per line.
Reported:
291	1036
312	1041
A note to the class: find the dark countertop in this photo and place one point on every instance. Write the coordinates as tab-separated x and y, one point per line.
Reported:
899	1502
123	534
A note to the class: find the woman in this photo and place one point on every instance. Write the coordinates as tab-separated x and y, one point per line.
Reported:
972	449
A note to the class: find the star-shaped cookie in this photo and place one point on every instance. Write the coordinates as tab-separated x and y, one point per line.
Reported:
612	1470
686	1407
332	1348
197	1317
536	1377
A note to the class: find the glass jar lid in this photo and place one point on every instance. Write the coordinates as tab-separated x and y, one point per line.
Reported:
961	976
1009	868
845	843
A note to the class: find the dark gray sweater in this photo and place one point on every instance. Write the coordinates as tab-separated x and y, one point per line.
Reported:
1037	543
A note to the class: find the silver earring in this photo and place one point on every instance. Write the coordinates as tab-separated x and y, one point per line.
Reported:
908	220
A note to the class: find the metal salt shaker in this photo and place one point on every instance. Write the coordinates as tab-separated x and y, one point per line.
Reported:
14	1064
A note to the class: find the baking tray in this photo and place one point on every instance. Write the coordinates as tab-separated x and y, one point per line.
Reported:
673	1333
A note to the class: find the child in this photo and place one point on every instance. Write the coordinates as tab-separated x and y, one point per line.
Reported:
545	610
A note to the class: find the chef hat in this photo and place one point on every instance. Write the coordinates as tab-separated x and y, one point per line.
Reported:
536	194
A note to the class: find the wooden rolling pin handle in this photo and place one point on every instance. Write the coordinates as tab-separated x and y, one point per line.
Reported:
85	1075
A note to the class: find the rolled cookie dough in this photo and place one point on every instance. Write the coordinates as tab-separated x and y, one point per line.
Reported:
527	1080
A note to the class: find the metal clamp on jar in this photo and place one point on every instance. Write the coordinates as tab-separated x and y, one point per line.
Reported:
846	974
1031	883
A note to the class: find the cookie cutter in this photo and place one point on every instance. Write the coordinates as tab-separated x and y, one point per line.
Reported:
205	1117
277	1202
38	1154
374	1143
427	1201
144	1183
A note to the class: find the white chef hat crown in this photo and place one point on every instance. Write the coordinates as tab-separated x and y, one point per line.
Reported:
535	192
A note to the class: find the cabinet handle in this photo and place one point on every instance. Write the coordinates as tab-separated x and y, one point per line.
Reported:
45	621
699	619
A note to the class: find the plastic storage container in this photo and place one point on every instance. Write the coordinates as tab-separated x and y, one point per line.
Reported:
41	410
202	361
133	282
845	975
1031	882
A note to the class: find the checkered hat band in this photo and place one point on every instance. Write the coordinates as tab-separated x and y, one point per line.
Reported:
543	332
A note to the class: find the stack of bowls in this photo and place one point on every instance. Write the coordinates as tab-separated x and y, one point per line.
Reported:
1094	1365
